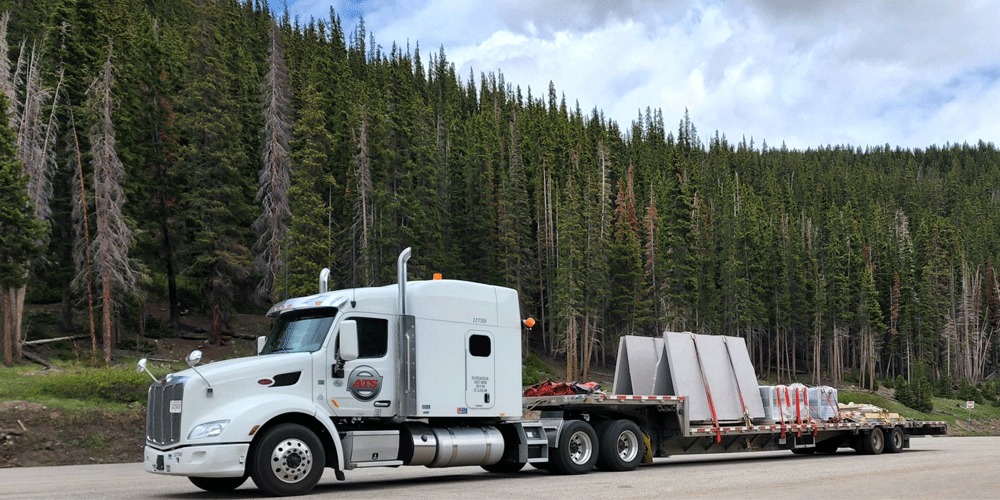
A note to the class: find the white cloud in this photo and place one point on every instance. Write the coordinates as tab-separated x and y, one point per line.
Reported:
864	72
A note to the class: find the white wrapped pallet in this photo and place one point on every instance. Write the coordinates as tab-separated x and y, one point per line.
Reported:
788	404
768	397
823	403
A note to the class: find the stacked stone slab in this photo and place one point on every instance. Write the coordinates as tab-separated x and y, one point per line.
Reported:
694	366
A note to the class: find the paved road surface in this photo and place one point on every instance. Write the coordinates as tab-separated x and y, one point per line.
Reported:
936	468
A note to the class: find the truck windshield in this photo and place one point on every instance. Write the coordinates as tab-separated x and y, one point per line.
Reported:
299	331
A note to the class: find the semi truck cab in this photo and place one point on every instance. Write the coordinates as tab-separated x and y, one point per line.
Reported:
419	373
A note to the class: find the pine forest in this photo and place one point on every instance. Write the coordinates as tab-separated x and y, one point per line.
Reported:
216	154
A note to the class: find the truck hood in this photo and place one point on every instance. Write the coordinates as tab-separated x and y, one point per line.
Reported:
251	370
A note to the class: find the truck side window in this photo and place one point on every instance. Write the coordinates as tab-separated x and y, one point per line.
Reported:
479	346
373	337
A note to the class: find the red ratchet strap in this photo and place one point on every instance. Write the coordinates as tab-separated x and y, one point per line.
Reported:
708	391
798	414
836	409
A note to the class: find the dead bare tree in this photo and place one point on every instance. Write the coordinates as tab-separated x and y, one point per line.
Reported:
115	271
35	142
275	174
81	226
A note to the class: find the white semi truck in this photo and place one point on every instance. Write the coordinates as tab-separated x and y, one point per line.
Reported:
429	373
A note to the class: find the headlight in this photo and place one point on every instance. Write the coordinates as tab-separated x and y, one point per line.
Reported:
208	429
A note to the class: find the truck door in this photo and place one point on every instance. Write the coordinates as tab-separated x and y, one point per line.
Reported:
364	387
479	370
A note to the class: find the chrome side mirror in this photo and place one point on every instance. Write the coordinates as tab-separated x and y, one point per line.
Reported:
194	358
141	367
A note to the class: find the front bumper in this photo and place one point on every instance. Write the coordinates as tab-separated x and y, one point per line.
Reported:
222	460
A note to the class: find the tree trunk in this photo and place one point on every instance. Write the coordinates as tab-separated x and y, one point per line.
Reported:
18	323
5	303
107	309
168	259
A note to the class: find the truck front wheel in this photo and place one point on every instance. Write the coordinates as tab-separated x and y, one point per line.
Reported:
288	460
218	484
578	449
622	446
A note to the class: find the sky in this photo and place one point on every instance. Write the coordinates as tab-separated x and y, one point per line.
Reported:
797	72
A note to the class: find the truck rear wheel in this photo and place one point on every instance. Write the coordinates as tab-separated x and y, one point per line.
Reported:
578	449
621	446
873	442
894	442
218	484
288	460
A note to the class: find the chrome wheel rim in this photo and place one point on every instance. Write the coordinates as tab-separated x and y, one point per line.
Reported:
291	460
628	446
580	447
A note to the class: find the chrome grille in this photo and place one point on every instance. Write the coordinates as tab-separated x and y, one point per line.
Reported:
162	426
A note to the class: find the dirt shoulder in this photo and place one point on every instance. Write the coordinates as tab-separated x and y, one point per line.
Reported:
33	435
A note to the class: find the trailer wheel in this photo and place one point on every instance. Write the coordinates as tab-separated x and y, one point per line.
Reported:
218	484
894	442
578	449
288	460
873	442
621	446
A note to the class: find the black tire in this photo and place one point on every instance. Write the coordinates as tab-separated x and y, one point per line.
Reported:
288	460
218	484
873	442
622	446
578	449
829	446
894	441
803	451
503	467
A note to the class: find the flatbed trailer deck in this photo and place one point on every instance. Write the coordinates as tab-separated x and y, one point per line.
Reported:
667	430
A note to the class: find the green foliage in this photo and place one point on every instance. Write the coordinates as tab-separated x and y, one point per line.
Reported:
533	370
603	228
114	385
917	393
20	232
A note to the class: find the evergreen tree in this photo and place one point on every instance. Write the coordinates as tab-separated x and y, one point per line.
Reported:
20	235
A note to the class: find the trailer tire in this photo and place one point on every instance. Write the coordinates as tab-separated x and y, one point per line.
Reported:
894	442
218	484
578	449
622	446
873	442
503	467
288	460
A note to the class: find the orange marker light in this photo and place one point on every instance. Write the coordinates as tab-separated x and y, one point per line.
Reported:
437	276
530	323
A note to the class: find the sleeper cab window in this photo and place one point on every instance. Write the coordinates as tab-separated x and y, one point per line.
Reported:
480	346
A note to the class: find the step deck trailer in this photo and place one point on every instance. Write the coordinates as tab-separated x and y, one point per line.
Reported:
663	422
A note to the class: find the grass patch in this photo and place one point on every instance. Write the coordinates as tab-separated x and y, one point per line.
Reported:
77	387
